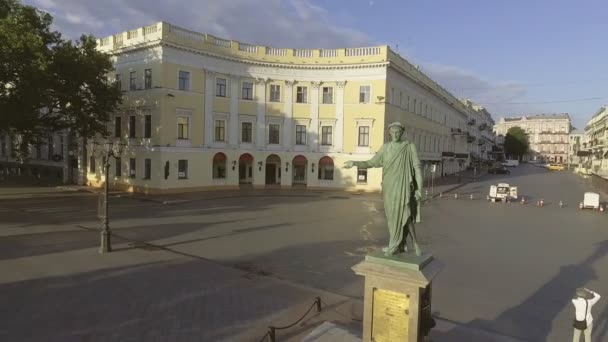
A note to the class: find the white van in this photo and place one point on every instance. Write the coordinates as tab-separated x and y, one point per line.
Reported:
510	163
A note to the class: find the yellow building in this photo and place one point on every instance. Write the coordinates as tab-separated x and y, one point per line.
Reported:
202	112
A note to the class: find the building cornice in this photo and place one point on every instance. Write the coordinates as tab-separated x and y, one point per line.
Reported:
160	43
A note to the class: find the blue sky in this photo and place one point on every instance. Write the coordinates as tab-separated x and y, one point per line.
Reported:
511	56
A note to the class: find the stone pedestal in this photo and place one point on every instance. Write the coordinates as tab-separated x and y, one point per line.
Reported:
397	301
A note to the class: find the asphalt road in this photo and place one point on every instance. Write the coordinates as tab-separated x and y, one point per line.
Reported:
509	268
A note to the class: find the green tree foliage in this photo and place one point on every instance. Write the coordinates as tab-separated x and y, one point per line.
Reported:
516	142
48	83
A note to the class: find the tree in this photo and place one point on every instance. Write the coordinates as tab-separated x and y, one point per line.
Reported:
47	83
516	142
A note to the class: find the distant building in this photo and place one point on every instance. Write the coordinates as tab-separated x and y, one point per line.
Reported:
596	142
481	138
548	135
575	144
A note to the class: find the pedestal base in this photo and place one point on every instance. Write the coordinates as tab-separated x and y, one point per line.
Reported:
397	299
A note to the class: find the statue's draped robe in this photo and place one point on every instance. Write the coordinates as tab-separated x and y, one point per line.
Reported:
399	162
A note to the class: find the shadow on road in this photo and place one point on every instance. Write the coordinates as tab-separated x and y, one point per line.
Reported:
532	319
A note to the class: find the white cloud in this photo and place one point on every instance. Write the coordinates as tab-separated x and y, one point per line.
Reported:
495	96
73	19
281	23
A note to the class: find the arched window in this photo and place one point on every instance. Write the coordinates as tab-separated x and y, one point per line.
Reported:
326	168
219	166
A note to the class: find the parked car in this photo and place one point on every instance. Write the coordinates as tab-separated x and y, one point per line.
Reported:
556	167
499	170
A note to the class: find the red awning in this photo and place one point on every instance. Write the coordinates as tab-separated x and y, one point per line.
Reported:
326	161
246	157
299	160
219	157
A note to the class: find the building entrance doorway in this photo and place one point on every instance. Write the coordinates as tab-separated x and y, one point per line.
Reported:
299	170
273	169
246	169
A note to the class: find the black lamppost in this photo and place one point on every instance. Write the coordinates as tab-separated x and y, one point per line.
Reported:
112	150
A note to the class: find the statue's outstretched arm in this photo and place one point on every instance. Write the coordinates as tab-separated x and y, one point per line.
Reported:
376	161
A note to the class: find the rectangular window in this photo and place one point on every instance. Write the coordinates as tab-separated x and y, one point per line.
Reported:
147	168
220	130
326	135
328	95
364	94
148	78
246	132
118	167
132	167
301	94
363	136
275	93
247	93
182	169
118	82
117	127
220	87
184	80
273	133
132	119
300	135
414	109
133	80
183	123
92	165
361	176
148	126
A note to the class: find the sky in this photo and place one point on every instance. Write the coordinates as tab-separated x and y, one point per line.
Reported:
514	57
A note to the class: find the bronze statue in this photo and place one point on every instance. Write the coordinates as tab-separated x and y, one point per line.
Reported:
401	188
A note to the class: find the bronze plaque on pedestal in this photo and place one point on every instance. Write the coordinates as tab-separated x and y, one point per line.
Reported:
390	316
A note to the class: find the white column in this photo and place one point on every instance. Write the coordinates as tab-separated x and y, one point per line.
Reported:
314	115
287	123
340	116
208	133
234	111
261	117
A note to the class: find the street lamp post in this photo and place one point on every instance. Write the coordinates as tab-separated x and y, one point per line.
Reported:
105	246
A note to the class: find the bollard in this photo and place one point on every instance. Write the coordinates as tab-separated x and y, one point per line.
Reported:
580	205
542	202
471	196
441	195
488	197
523	200
601	208
455	196
561	204
426	193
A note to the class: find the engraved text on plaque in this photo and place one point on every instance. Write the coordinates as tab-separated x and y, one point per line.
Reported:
390	316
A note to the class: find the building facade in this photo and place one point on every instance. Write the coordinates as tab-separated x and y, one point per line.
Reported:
54	159
548	135
575	145
480	135
595	142
203	112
